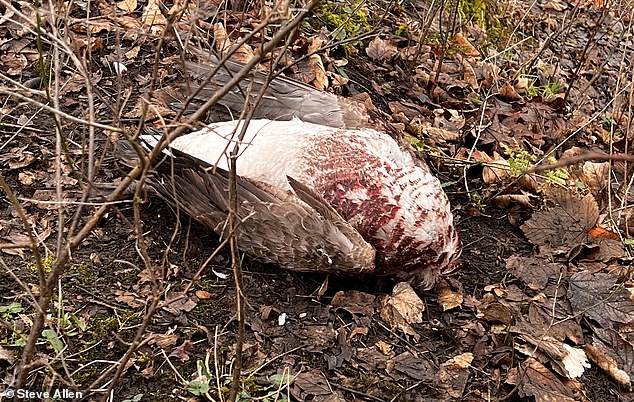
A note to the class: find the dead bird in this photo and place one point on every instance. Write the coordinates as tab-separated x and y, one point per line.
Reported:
315	197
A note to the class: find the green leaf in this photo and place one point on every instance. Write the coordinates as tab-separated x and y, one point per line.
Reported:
13	308
197	388
53	339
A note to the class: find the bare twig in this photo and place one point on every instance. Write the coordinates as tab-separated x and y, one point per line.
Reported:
590	156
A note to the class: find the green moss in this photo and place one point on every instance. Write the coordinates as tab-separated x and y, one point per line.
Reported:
85	274
474	11
100	326
402	30
484	13
207	308
47	264
344	18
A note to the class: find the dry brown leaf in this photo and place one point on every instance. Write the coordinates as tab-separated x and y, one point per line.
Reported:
447	298
180	302
164	341
381	50
354	302
14	62
496	169
312	383
26	178
555	5
222	43
539	382
311	71
402	308
19	159
496	312
132	53
6	355
595	175
182	352
127	5
604	355
128	298
408	365
506	200
152	19
93	43
565	225
597	296
508	93
607	364
204	295
541	320
469	75
535	272
521	87
358	331
454	374
128	22
465	45
384	347
568	361
440	134
47	199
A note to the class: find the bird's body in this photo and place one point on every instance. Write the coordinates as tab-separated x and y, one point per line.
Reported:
380	192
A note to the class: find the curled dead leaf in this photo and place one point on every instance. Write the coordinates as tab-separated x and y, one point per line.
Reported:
506	200
609	365
469	75
508	93
447	298
465	45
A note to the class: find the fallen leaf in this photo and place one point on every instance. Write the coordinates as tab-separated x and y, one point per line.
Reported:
469	75
128	298
164	341
384	347
535	272
465	45
381	50
411	366
598	297
127	5
568	361
565	224
182	352
402	308
508	93
204	295
447	298
354	302
537	381
602	357
312	383
454	374
152	18
6	355
26	178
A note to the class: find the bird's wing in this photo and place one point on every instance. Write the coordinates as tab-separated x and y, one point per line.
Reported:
283	99
278	227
